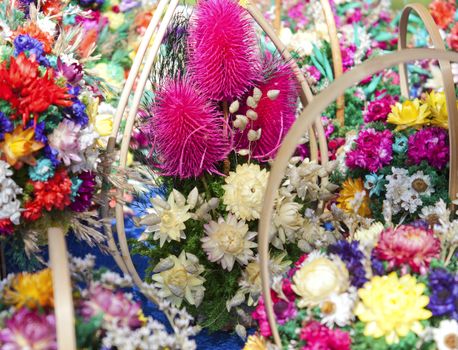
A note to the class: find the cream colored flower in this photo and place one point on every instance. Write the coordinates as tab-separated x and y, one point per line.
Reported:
435	214
318	279
167	219
103	121
250	282
244	191
179	278
338	309
227	241
368	237
446	336
286	221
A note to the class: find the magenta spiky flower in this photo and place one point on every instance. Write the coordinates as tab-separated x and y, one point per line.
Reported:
187	130
275	114
223	55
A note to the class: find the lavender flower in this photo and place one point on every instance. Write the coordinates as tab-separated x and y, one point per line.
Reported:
353	258
72	72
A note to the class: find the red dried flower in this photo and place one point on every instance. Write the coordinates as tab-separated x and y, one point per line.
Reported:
54	193
6	227
452	39
33	211
22	85
443	12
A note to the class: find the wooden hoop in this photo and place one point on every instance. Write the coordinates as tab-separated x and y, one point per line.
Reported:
62	287
306	95
335	48
311	113
447	80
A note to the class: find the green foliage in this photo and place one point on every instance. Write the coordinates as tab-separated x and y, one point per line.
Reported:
86	332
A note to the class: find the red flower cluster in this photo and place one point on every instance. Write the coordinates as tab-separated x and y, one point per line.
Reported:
22	85
52	194
452	39
443	12
321	337
6	227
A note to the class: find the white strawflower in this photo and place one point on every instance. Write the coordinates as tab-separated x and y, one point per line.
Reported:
446	336
286	221
227	241
244	191
368	237
9	205
168	219
338	309
179	278
436	213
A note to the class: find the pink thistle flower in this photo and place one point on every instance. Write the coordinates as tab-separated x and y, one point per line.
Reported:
223	57
113	305
408	246
274	116
186	130
373	149
321	337
28	329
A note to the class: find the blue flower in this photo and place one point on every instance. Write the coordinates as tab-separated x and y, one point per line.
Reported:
328	226
443	300
51	154
25	43
373	183
77	112
353	258
40	135
6	125
76	184
400	144
42	171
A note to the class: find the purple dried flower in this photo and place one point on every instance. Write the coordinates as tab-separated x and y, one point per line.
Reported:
73	72
82	201
6	125
443	300
353	258
430	144
28	329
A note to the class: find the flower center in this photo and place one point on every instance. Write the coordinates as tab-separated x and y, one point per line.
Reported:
232	243
167	219
328	308
178	277
432	219
451	341
419	185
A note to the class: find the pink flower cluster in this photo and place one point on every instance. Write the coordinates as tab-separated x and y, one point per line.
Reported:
408	246
378	109
430	144
373	150
319	337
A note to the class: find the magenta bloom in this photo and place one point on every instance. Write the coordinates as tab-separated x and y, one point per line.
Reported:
319	337
348	55
260	315
187	131
275	117
408	246
373	150
430	144
28	329
378	110
113	305
223	57
85	192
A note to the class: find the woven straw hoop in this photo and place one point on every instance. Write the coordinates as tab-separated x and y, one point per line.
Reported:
122	256
311	113
447	79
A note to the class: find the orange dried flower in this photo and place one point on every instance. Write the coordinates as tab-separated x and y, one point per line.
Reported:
443	12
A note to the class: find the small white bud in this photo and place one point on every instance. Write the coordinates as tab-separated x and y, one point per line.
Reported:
251	102
240	122
234	107
257	94
254	135
252	114
193	197
244	152
159	202
273	94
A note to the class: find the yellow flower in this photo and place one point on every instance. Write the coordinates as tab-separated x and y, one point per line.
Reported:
115	20
318	278
438	107
409	114
391	307
19	146
255	342
353	191
31	290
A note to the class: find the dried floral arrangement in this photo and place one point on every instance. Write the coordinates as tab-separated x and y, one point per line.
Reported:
384	287
398	161
107	317
219	107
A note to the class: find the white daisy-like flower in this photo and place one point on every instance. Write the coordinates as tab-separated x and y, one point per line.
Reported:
421	183
446	336
337	310
167	219
179	278
368	237
397	189
228	241
9	205
436	213
250	281
244	191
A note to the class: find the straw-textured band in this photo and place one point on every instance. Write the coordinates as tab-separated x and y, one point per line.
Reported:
62	286
311	113
448	84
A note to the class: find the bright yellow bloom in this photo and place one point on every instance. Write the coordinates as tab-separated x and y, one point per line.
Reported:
391	307
19	146
32	290
409	114
255	342
438	106
115	20
351	188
